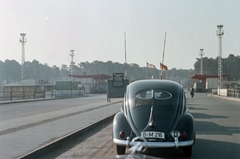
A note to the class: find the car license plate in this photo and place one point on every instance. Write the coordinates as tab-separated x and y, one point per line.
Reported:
153	134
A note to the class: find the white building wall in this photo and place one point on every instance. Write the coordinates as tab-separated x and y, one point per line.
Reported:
211	83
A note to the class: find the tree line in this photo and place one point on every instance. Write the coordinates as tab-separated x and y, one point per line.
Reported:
10	70
230	66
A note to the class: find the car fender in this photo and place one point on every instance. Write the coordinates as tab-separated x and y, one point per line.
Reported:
186	124
120	124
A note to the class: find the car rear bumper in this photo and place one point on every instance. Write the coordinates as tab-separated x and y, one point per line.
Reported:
155	144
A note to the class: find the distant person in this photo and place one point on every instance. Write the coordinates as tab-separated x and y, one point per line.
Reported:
192	91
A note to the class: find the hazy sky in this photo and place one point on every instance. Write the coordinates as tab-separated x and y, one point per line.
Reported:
95	30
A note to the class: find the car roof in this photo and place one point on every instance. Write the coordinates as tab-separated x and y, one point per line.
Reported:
166	85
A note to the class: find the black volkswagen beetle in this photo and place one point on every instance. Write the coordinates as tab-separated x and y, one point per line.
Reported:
154	112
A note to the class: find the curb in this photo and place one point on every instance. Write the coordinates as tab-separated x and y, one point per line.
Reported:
228	98
63	140
40	99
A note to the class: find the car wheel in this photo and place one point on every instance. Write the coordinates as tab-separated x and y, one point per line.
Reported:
121	150
187	151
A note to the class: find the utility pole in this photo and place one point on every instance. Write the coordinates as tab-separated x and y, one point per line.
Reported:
72	63
219	34
23	41
201	54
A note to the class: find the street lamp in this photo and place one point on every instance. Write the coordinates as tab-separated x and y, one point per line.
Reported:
219	34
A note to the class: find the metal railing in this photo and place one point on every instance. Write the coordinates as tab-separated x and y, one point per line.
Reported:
235	93
23	95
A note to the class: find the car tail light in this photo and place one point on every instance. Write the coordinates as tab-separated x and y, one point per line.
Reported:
121	134
184	135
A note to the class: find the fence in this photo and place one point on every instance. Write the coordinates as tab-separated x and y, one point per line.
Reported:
68	93
233	93
227	92
23	95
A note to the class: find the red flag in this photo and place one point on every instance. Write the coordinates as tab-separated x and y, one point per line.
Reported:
150	66
163	67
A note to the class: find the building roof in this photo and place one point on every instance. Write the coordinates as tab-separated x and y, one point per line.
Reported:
96	77
29	82
203	77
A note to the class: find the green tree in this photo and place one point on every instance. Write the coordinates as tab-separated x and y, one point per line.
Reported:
11	71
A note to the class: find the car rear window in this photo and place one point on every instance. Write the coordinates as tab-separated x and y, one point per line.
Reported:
162	95
150	97
145	94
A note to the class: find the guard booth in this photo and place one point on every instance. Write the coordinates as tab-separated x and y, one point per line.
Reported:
116	87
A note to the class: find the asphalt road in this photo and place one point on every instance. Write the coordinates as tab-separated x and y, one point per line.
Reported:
217	124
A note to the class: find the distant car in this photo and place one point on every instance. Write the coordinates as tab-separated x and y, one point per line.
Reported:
154	112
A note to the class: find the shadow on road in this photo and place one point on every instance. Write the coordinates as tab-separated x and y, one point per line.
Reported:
210	128
193	108
202	149
206	116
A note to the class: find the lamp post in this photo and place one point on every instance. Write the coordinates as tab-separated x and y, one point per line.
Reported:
201	54
23	41
219	34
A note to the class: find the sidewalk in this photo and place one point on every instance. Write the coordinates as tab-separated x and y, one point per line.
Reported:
39	99
224	97
27	100
22	135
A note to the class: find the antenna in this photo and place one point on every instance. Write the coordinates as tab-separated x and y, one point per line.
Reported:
23	41
219	33
201	54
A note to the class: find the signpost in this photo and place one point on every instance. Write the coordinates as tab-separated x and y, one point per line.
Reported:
116	86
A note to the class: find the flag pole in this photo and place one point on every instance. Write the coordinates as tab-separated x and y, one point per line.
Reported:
146	69
125	64
163	55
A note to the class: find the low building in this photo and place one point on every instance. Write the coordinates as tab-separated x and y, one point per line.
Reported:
92	83
207	80
28	89
66	89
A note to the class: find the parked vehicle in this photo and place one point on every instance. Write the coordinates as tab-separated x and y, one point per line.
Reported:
155	113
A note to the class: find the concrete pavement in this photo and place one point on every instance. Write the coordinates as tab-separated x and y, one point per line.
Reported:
227	98
22	135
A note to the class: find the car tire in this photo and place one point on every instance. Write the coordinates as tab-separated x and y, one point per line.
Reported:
187	151
121	150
